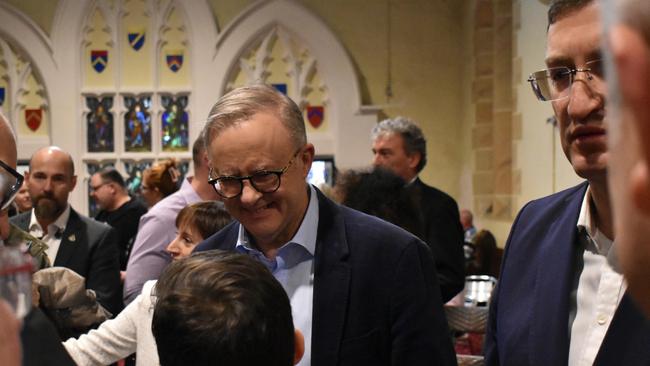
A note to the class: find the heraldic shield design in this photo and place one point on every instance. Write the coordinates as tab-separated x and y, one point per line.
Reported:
282	88
136	37
99	59
33	118
2	96
315	115
175	60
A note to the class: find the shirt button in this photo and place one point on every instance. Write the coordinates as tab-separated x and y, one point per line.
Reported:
602	319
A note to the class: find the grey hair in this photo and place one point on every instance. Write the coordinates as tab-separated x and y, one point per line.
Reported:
414	141
241	104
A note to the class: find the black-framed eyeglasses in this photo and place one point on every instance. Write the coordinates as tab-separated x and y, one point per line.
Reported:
555	83
10	182
264	181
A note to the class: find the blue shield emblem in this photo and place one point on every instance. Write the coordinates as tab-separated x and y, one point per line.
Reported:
99	60
282	88
2	96
136	38
175	60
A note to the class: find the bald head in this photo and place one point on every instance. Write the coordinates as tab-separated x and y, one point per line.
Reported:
49	181
8	146
54	153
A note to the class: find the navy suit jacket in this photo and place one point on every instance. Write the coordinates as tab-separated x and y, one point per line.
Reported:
443	234
529	313
89	248
376	300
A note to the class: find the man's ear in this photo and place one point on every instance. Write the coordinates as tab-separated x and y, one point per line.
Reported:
299	347
414	160
632	61
307	157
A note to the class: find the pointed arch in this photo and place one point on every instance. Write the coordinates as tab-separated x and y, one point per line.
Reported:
336	69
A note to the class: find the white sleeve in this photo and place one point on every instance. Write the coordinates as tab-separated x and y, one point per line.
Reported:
114	340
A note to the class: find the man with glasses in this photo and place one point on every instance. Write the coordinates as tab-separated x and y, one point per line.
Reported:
118	209
74	241
561	298
363	292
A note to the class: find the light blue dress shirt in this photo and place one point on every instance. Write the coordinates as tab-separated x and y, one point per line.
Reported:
293	268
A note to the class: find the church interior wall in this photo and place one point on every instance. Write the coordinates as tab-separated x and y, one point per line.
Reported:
421	50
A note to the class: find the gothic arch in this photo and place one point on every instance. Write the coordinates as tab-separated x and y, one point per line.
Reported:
349	119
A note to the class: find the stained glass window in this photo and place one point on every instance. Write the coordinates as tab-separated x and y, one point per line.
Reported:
174	122
99	123
137	124
92	169
134	176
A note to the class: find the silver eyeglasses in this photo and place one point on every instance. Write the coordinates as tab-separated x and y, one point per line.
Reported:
555	83
264	181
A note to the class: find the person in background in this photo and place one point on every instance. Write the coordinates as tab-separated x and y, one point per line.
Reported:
379	192
467	222
561	297
629	140
223	308
130	331
117	208
73	241
399	145
23	202
159	181
148	257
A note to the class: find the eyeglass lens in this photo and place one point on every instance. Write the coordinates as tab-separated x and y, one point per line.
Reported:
10	182
555	83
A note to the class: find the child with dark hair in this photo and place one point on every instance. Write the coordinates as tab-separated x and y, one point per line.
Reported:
131	329
223	308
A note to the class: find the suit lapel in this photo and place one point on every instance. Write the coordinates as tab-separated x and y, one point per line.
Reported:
22	220
553	284
331	285
69	240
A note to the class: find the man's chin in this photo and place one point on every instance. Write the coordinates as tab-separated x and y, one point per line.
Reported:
47	210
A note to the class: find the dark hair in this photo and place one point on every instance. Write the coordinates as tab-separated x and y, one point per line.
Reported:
382	193
560	8
207	217
485	255
223	308
162	175
110	175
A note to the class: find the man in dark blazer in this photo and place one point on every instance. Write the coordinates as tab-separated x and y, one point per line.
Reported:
561	297
363	292
399	145
74	241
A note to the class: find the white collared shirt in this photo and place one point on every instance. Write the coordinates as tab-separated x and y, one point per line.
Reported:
54	232
600	289
293	268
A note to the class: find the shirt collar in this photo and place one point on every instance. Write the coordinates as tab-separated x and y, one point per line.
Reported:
305	236
586	224
58	224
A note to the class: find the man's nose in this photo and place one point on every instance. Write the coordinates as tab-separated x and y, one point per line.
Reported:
584	98
376	160
249	195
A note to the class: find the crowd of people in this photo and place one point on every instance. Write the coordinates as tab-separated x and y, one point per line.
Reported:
245	263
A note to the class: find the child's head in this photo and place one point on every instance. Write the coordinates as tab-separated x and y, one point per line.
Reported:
224	308
195	223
